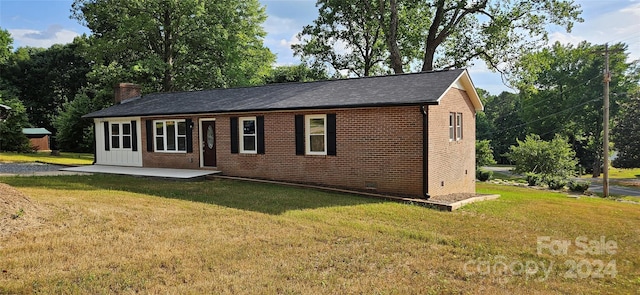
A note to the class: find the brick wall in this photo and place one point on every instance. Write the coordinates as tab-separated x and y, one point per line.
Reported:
180	160
377	148
451	163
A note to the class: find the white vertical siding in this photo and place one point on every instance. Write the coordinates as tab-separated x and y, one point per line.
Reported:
117	157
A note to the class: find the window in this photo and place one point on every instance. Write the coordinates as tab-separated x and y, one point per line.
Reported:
121	135
316	134
455	126
248	135
452	130
171	136
458	126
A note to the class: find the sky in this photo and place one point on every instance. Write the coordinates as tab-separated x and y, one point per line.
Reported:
42	23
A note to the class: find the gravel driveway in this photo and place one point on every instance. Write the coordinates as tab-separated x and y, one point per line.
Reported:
34	169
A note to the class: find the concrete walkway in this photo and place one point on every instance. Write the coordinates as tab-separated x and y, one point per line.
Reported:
140	171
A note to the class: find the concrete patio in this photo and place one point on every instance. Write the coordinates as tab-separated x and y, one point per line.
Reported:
140	171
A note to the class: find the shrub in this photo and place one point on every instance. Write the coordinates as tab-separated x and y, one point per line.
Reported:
579	186
552	158
483	175
533	179
555	182
484	153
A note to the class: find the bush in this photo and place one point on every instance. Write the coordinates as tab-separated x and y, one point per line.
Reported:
579	186
556	182
549	158
533	179
483	175
484	153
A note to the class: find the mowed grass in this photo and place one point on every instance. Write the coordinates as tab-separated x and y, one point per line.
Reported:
46	157
118	234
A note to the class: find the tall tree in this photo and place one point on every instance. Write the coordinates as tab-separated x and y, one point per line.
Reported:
562	93
170	45
439	34
626	135
11	136
5	45
346	37
44	79
296	73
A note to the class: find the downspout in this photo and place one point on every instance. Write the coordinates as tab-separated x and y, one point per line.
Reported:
425	152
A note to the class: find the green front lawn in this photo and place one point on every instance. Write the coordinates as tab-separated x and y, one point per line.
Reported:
119	234
46	157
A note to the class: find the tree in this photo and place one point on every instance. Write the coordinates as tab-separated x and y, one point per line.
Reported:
626	136
484	153
547	158
350	24
170	45
45	79
500	122
75	134
561	90
439	34
296	73
5	45
11	136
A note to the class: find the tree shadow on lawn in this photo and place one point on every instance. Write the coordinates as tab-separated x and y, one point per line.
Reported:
243	195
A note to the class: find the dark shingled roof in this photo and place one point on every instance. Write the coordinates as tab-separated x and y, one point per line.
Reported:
405	89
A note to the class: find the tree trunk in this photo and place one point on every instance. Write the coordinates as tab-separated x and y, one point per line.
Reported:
391	35
167	81
596	167
427	63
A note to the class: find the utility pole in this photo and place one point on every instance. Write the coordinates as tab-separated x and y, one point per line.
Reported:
605	136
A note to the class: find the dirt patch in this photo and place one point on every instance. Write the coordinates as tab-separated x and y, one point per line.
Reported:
17	211
452	198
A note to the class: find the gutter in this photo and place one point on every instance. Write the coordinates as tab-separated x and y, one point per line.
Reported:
425	151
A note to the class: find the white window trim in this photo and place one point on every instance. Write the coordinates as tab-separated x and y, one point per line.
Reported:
458	126
452	126
241	121
120	136
307	131
164	136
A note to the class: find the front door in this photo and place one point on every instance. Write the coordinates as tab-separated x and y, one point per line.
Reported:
209	143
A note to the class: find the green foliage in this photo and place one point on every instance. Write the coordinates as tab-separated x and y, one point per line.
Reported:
555	182
500	122
295	73
45	79
359	35
350	23
484	153
626	136
548	158
483	175
75	134
177	45
579	186
561	91
11	136
5	45
533	179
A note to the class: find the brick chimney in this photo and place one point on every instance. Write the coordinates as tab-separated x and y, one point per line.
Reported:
124	91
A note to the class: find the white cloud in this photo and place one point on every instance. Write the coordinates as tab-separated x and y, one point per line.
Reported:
55	34
281	26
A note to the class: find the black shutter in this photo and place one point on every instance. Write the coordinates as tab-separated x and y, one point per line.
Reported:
234	135
331	134
149	125
189	128
299	134
106	136
134	136
260	134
